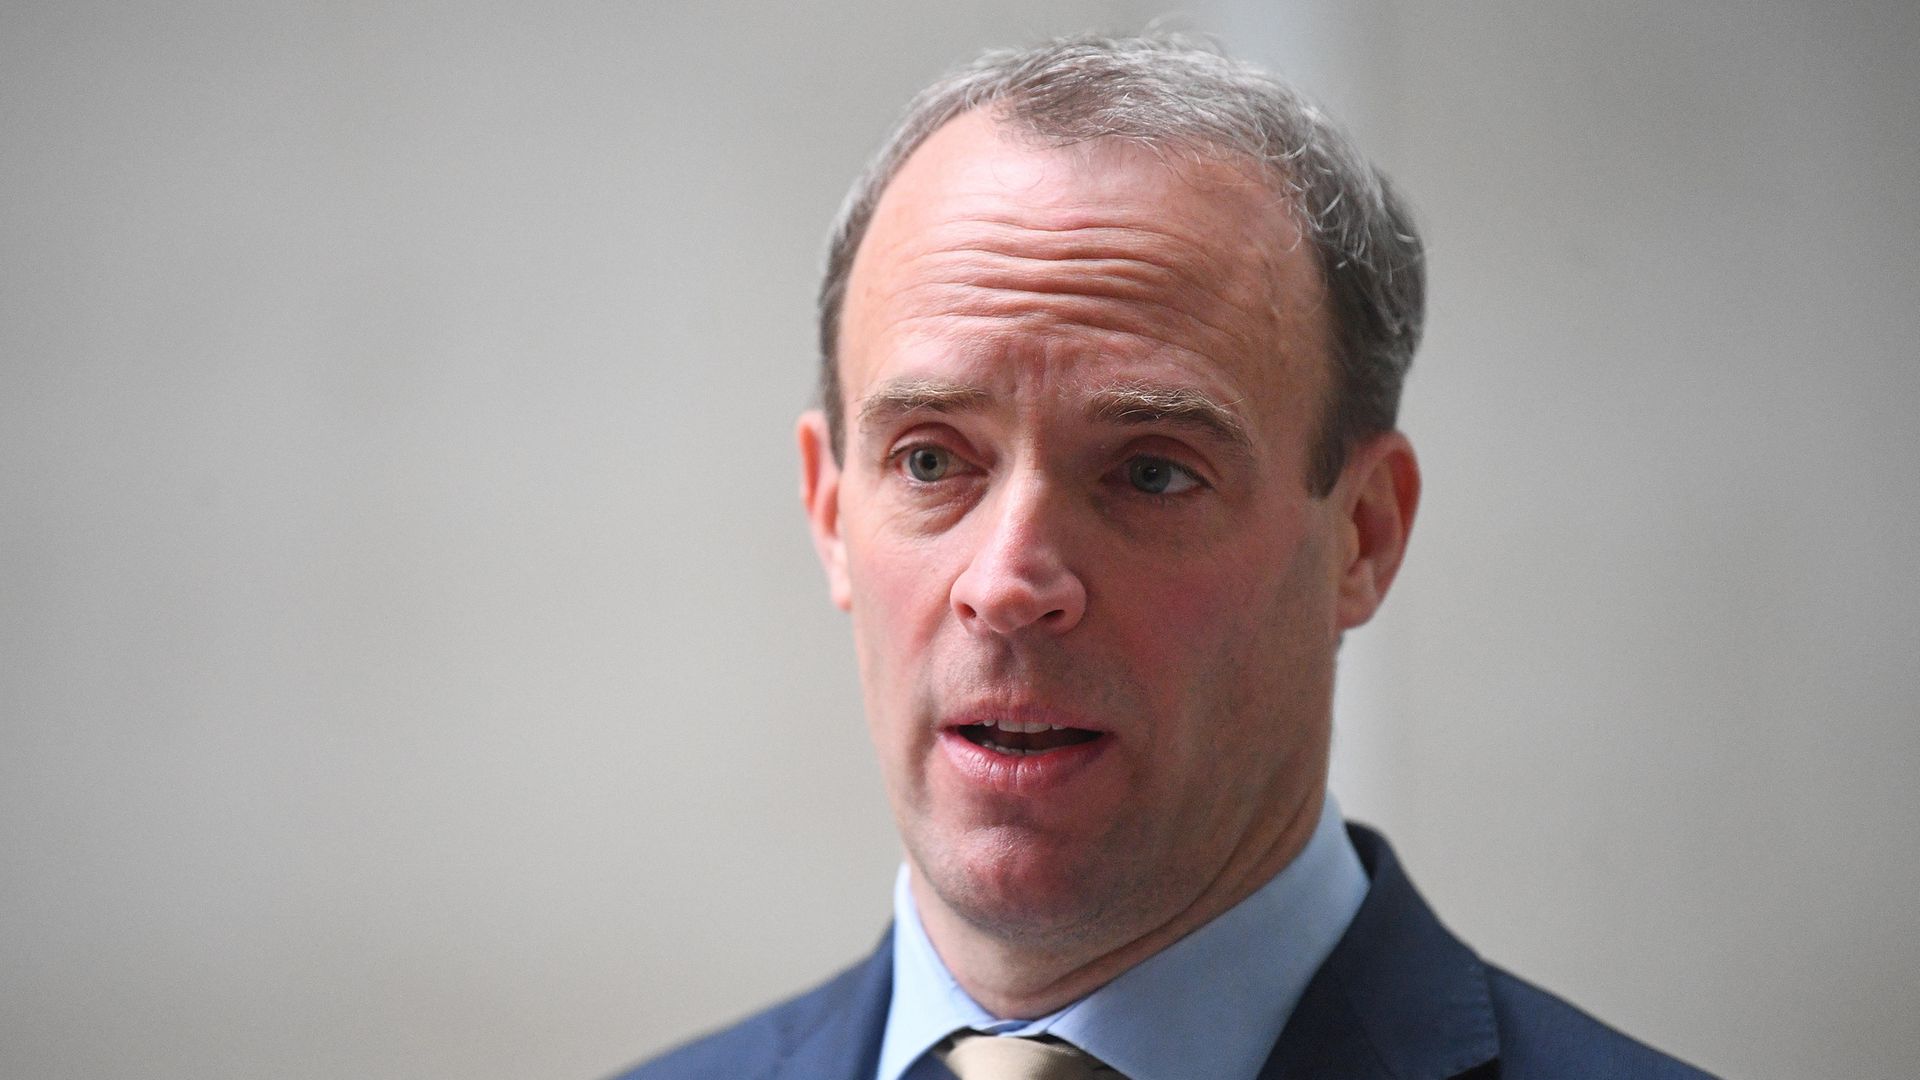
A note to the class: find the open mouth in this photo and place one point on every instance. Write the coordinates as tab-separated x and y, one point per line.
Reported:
1018	738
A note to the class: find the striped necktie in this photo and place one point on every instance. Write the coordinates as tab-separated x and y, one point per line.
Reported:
973	1056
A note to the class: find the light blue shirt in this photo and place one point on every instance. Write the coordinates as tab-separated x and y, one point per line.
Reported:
1211	1004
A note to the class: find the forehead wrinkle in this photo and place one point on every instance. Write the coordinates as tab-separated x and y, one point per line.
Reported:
1097	274
985	336
1106	293
1154	249
1147	241
1151	265
1117	294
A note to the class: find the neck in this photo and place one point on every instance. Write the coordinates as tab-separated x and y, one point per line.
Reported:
1024	978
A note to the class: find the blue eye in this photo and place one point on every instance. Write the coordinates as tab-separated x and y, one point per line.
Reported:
928	463
1158	476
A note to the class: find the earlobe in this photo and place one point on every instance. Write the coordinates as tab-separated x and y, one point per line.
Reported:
1381	492
820	496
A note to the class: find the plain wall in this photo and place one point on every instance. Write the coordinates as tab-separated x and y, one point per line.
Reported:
412	663
1642	713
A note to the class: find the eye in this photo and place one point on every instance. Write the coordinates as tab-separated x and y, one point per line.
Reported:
1158	476
928	463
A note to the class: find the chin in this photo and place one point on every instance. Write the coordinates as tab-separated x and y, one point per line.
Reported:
1019	887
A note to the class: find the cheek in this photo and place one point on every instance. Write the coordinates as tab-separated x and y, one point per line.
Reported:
1224	592
1229	638
900	601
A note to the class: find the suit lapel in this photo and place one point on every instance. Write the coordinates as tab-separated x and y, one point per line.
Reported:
841	1039
1399	997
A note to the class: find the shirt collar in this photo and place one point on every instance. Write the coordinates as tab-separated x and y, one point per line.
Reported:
1211	1004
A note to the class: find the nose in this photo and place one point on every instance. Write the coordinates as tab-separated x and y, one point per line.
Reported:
1018	577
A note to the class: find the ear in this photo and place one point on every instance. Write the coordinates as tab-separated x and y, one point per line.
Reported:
820	495
1378	492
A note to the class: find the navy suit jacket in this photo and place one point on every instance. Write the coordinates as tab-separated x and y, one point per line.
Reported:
1400	997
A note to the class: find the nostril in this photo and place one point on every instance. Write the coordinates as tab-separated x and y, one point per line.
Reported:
1019	584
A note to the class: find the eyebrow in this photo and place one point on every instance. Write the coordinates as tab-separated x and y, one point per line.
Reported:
902	397
1126	403
1177	406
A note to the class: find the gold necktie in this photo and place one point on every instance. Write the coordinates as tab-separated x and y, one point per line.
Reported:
973	1056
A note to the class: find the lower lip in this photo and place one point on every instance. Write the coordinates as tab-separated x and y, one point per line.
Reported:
1019	773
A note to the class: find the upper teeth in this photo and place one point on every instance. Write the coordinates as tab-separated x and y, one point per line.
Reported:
1027	727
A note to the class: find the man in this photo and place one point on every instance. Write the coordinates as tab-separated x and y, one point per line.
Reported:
1113	338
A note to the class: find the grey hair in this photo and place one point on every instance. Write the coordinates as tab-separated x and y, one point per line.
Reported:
1172	92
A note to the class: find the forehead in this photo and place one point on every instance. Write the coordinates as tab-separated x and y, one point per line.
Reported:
994	251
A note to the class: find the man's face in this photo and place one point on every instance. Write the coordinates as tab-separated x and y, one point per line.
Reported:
1095	604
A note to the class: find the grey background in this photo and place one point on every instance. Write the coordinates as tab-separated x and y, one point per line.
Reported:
412	663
